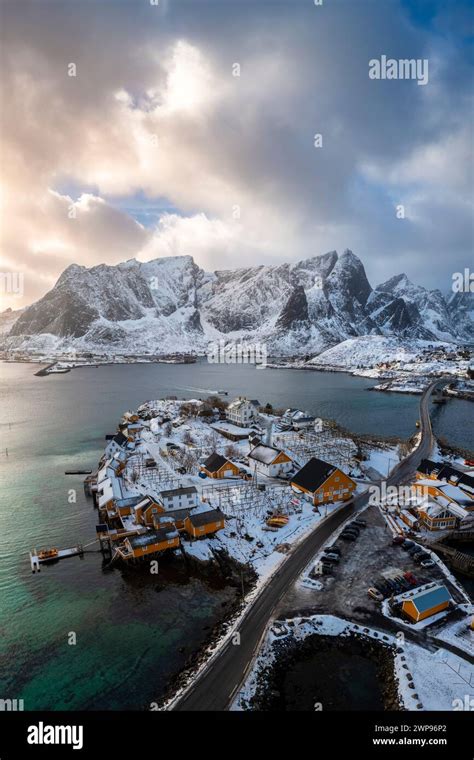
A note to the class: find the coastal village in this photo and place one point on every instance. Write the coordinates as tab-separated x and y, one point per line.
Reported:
203	478
179	471
196	476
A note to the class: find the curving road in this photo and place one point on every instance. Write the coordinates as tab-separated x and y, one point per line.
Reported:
217	684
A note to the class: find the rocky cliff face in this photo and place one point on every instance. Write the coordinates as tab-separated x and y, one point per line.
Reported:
170	304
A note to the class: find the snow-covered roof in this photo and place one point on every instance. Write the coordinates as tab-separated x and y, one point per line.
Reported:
409	517
152	537
265	454
143	503
458	511
242	401
434	510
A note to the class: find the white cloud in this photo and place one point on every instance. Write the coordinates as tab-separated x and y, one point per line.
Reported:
155	109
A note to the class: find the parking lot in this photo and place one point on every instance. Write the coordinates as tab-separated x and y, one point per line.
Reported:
370	559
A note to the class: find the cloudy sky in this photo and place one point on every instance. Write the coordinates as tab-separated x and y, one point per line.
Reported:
155	147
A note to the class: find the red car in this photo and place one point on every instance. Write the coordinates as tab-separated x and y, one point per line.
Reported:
410	578
398	540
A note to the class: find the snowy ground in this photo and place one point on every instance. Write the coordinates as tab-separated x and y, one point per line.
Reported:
459	633
382	355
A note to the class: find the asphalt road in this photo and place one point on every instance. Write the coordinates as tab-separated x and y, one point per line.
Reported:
216	686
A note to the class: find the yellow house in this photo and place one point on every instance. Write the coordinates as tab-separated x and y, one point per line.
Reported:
124	506
436	515
151	542
178	516
324	482
204	523
217	466
145	510
445	473
426	603
444	492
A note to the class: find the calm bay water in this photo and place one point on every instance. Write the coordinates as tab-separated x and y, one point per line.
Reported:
130	629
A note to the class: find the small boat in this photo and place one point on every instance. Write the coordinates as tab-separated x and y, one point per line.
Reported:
48	554
278	522
417	423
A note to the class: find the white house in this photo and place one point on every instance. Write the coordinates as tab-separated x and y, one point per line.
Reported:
242	411
180	498
297	419
270	461
116	444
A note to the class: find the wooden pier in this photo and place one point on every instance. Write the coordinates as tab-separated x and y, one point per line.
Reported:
36	560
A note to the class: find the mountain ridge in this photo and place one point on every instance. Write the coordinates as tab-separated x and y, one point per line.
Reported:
170	305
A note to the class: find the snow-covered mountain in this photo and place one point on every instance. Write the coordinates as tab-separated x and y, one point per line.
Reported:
172	305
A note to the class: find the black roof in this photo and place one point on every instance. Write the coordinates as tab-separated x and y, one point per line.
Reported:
446	472
120	438
313	474
214	462
175	514
175	491
204	518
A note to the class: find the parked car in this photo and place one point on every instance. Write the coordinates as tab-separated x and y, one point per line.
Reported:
410	578
421	558
351	530
403	582
428	563
331	559
407	545
359	522
398	540
353	526
332	550
372	592
202	474
326	569
348	537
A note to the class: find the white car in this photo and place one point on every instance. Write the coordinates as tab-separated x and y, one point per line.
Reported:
428	563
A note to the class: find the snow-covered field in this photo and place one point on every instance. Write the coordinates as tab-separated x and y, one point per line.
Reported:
377	356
